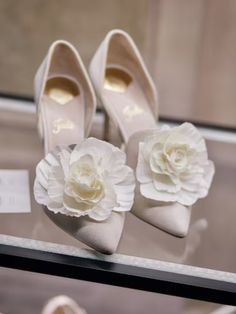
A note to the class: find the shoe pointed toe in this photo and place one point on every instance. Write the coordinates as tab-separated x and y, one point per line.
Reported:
182	221
172	218
103	236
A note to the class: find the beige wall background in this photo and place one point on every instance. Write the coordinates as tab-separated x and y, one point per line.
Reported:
189	46
192	53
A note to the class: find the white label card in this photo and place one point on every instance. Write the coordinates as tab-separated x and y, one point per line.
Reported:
14	191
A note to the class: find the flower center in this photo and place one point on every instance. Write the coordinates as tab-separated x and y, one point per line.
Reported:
177	157
84	183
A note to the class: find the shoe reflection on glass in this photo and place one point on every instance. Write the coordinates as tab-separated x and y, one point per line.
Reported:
225	309
171	249
62	305
172	167
194	239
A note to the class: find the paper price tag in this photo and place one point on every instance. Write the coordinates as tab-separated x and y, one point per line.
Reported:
14	191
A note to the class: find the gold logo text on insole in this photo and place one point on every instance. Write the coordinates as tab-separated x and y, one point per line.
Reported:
62	124
131	111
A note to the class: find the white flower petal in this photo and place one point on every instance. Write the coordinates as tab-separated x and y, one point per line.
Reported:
186	198
112	157
64	156
40	193
42	173
110	198
56	185
57	208
100	213
100	150
124	206
117	175
143	171
191	185
164	183
148	191
209	173
125	202
125	191
157	138
192	136
52	158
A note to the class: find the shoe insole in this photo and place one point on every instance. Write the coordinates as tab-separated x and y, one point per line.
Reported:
61	89
60	310
127	102
62	113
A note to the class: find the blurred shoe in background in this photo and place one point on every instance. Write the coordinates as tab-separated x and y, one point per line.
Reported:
62	305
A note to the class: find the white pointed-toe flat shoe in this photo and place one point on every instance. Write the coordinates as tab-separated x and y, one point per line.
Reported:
172	169
62	305
83	182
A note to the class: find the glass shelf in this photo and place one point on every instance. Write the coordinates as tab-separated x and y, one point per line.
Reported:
200	266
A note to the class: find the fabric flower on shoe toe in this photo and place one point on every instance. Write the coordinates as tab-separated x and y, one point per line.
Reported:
90	179
173	165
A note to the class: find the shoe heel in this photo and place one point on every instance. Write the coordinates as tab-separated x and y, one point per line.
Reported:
111	131
106	127
106	131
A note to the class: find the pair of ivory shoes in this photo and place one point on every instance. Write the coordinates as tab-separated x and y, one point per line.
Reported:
66	104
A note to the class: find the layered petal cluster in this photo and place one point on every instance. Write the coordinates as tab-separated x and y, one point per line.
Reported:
90	179
173	165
